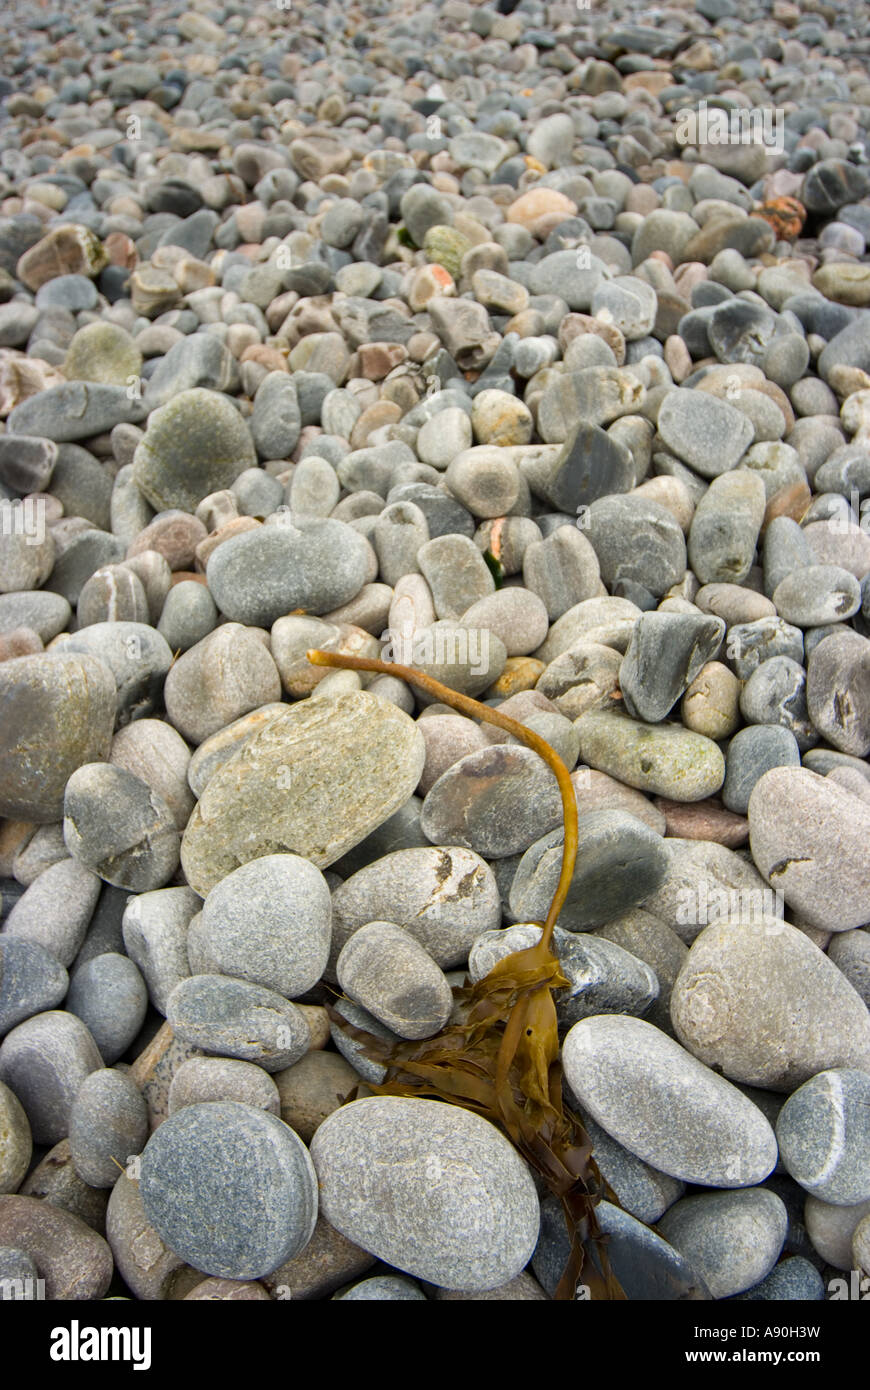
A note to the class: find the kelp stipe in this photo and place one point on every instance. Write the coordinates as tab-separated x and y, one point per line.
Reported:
503	1061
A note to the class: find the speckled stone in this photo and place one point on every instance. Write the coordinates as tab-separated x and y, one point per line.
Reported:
108	1124
269	922
733	1239
32	981
663	759
664	1105
444	898
370	1157
110	997
823	1131
236	1019
44	1060
733	1005
245	811
16	1144
230	1188
808	839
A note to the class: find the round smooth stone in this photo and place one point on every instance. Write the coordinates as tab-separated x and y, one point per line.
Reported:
752	752
664	1105
733	1005
153	751
733	1239
636	539
195	444
497	802
155	936
817	595
725	527
230	1188
56	909
110	997
236	1019
823	1131
708	434
516	616
313	563
775	693
838	691
443	898
383	969
118	827
188	615
808	838
44	1060
483	1227
269	922
108	1124
227	674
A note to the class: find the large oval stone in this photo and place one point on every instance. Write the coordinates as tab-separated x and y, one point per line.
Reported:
431	1189
664	1105
314	781
809	839
761	1003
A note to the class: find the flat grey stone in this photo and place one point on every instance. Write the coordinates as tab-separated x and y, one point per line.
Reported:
708	434
207	1079
808	838
838	691
752	752
236	1019
32	980
44	1060
108	1124
313	563
110	996
55	911
227	674
496	802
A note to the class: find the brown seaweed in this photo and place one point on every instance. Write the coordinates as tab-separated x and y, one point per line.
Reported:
503	1061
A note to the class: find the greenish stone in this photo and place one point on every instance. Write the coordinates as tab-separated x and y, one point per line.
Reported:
664	759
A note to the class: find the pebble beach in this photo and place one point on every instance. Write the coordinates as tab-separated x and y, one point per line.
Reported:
530	350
